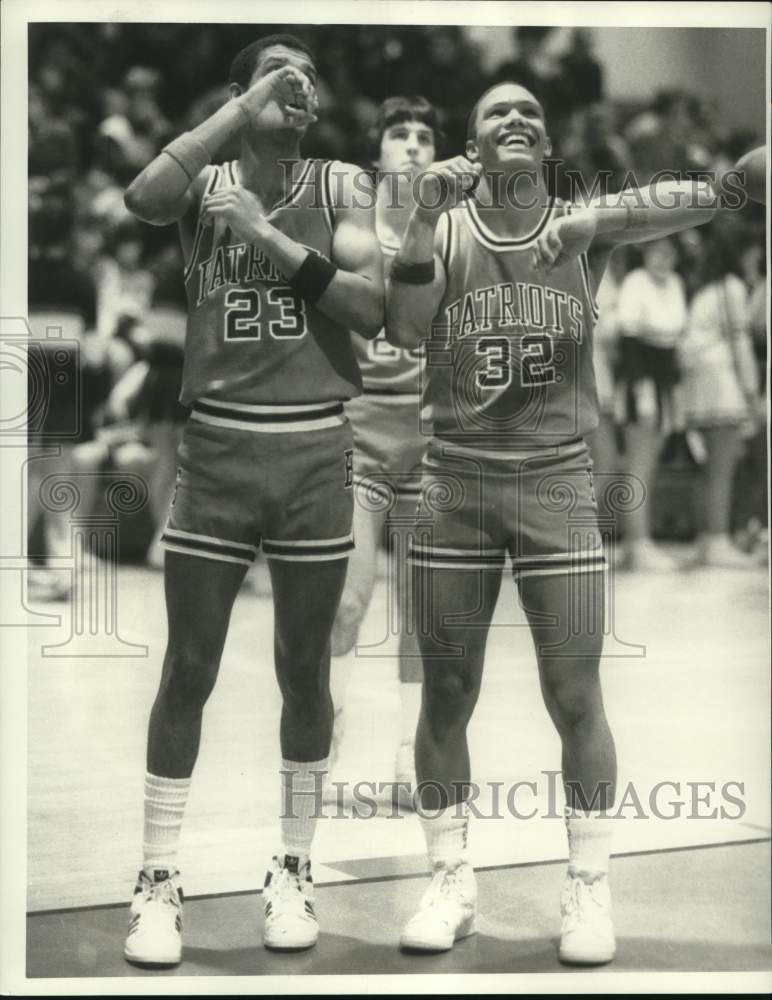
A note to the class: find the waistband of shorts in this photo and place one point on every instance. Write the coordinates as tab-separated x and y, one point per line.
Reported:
561	449
268	418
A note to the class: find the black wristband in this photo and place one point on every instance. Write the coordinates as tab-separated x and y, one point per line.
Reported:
312	277
413	274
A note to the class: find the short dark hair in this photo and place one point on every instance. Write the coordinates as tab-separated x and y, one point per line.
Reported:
471	122
245	62
404	109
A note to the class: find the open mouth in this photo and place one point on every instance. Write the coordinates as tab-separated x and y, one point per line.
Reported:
517	140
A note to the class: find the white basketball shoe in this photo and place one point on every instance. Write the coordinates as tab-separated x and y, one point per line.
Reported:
155	920
288	897
587	932
446	912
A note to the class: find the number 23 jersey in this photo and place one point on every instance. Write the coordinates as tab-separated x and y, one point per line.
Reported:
250	337
509	359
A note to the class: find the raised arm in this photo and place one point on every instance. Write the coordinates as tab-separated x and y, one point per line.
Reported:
632	216
418	277
349	288
171	183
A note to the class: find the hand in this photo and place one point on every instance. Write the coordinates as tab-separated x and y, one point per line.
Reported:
284	98
443	184
240	210
564	239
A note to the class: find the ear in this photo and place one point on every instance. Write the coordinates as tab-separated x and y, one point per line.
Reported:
547	146
472	152
236	90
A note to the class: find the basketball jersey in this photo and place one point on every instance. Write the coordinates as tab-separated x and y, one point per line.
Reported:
509	359
386	369
251	338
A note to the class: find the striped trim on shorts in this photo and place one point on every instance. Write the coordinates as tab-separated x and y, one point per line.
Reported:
276	418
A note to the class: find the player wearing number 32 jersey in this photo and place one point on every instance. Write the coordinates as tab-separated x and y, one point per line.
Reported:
282	263
499	287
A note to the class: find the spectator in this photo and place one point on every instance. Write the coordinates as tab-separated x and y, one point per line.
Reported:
652	316
720	389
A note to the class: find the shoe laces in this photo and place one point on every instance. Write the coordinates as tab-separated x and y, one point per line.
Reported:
445	884
578	895
286	887
161	892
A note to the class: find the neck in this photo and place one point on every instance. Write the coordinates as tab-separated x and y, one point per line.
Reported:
267	162
512	204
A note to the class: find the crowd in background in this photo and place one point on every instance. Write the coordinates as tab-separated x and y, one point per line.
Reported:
105	98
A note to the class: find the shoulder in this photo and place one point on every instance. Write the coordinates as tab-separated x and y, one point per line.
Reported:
345	180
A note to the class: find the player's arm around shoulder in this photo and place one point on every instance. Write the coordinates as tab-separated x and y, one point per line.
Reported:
355	296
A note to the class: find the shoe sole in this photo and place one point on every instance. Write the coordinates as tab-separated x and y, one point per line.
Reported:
288	947
568	959
151	963
417	945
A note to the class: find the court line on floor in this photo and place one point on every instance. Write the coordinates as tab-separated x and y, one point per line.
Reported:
406	875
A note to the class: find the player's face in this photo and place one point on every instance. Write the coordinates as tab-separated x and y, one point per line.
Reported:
407	147
510	130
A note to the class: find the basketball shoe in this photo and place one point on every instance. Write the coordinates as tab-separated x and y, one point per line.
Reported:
586	933
155	920
446	912
288	897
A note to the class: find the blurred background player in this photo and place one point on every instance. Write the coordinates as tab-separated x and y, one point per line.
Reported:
388	439
503	290
281	264
651	314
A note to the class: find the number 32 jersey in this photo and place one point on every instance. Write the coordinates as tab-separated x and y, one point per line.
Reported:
250	337
509	359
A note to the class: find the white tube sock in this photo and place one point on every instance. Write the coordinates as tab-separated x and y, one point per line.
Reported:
447	834
165	800
589	841
301	803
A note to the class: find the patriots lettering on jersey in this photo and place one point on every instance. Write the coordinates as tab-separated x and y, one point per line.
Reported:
232	265
518	306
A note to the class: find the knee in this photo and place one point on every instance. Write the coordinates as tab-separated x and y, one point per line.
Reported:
449	694
189	677
302	679
347	621
572	701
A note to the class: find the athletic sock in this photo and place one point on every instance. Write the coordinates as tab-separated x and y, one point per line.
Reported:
301	803
410	707
165	800
447	834
589	842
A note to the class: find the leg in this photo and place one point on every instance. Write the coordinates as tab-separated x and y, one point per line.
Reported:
451	683
568	654
199	598
723	445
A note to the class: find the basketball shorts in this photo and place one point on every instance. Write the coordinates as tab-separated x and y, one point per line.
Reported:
388	449
280	478
536	506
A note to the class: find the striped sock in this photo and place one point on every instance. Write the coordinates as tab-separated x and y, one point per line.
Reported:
301	803
165	800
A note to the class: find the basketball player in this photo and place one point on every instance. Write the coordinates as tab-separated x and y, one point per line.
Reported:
503	286
388	442
280	268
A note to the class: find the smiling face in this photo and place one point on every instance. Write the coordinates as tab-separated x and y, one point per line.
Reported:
407	147
508	131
